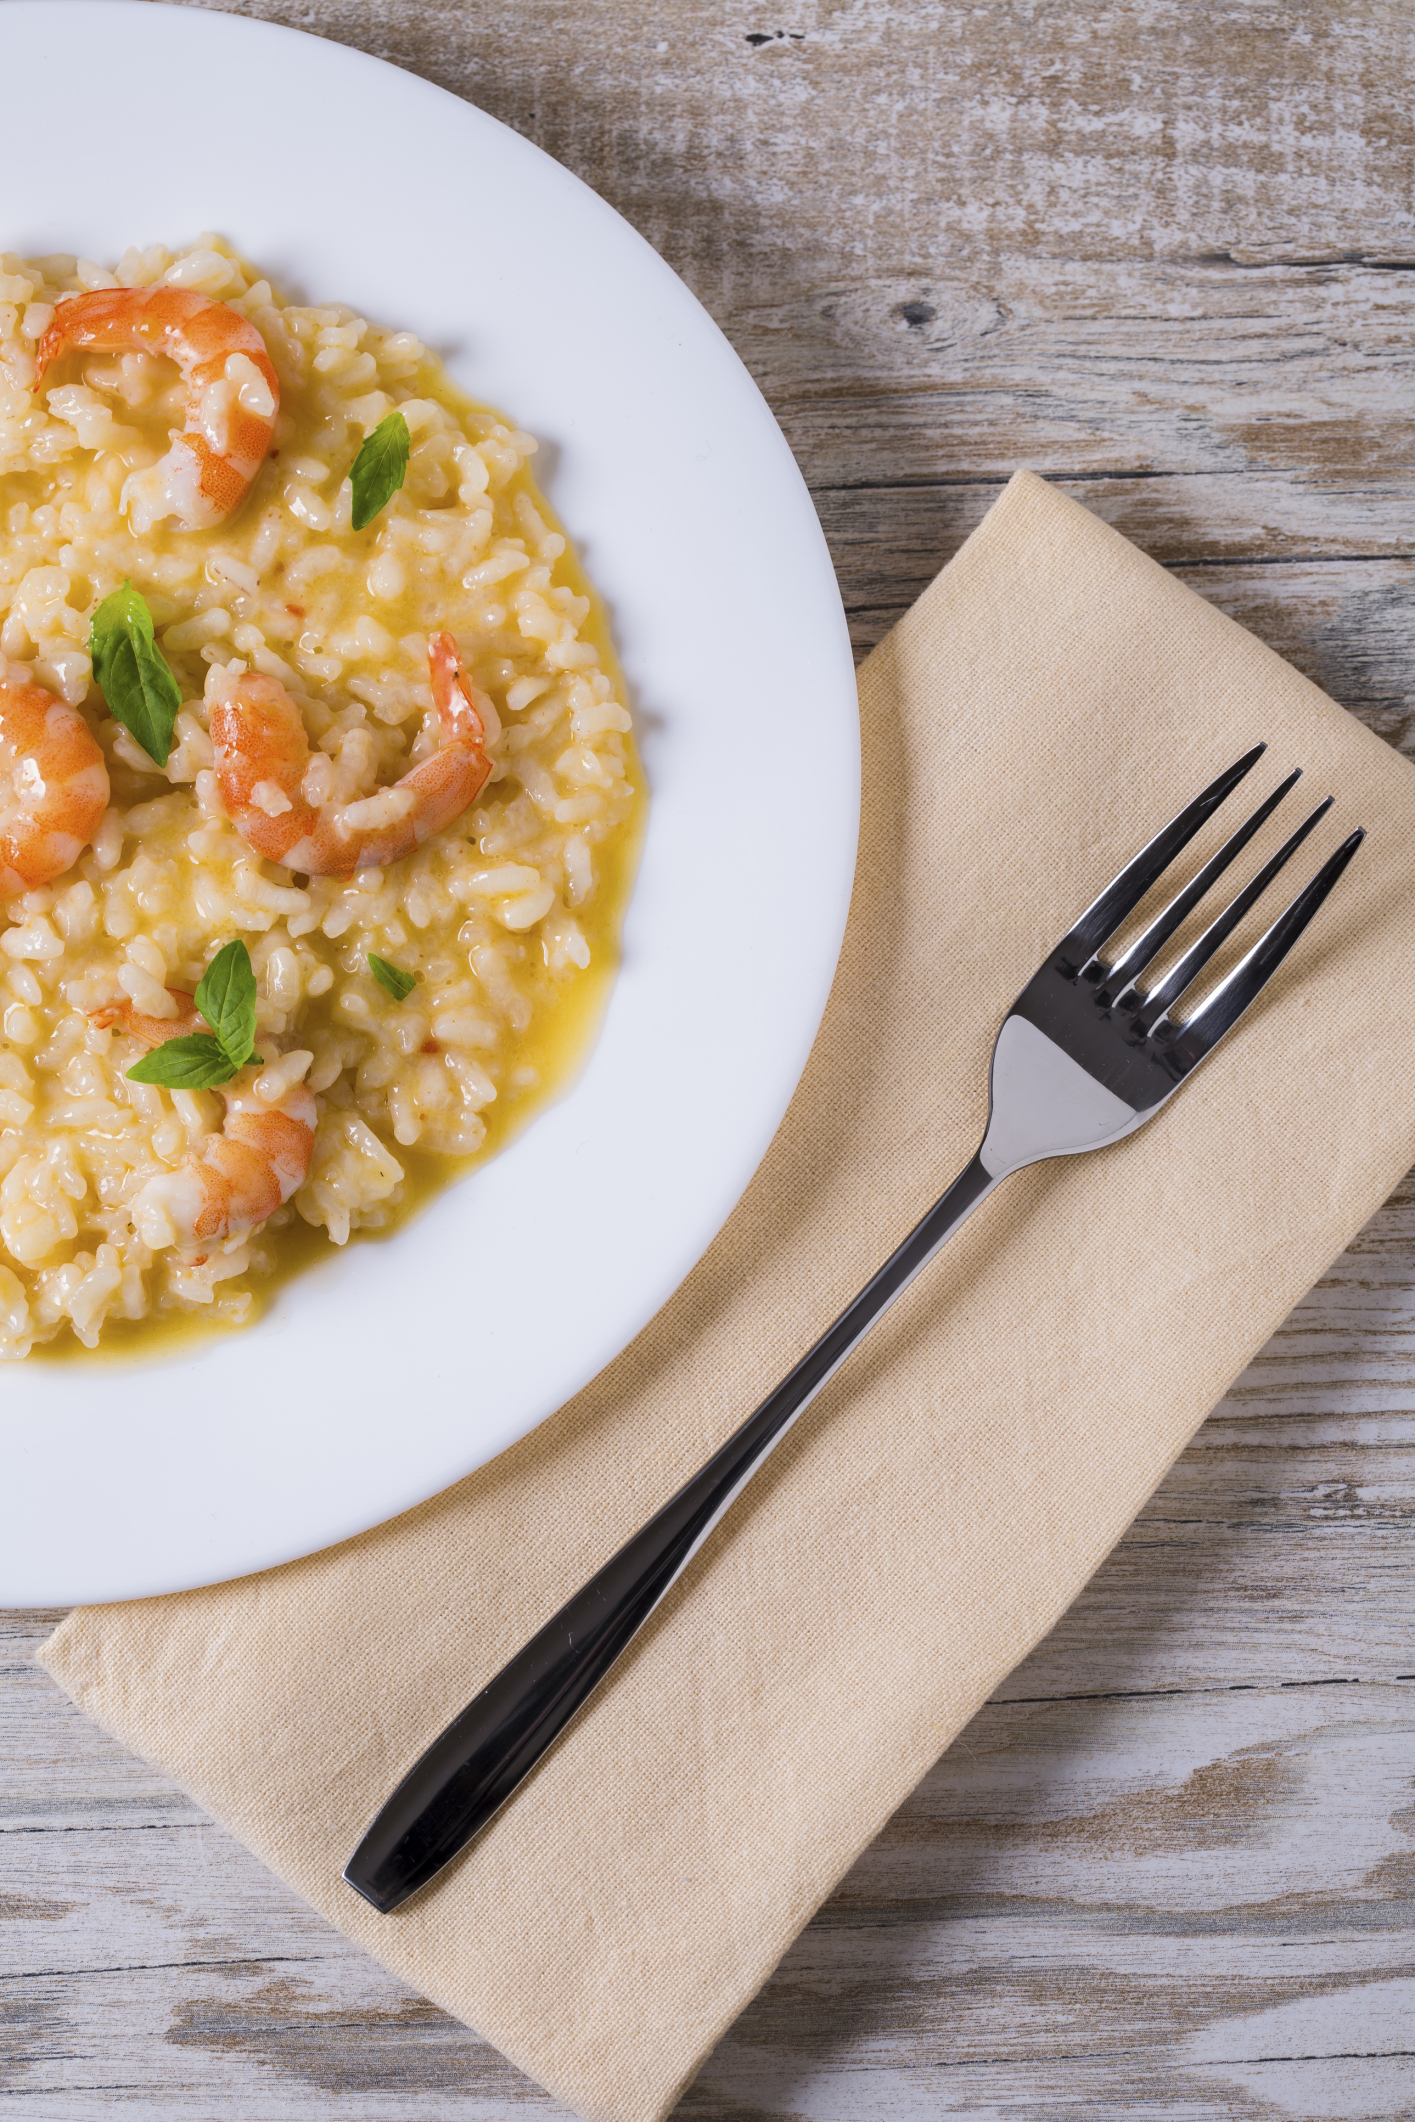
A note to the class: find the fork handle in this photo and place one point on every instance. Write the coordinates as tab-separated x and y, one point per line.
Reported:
468	1773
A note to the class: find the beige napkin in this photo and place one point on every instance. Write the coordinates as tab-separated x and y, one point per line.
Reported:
1049	700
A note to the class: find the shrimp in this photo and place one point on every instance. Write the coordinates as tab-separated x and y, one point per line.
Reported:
53	786
233	395
262	755
153	1031
232	1180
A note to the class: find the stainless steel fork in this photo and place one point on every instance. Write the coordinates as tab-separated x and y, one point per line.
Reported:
1083	1058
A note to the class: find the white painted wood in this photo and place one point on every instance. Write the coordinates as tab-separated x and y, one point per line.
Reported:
1166	256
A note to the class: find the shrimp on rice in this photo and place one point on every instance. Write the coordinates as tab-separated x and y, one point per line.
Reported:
233	395
263	755
53	786
238	1176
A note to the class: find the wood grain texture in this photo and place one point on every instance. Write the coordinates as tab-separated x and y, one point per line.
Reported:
1164	254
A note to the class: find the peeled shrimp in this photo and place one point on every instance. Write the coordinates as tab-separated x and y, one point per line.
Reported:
232	1180
53	787
233	395
263	754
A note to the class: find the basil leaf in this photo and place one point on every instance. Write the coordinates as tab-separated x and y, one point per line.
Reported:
200	1060
226	998
197	1062
391	978
380	468
132	672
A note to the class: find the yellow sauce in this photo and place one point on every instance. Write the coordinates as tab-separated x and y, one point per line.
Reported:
556	1046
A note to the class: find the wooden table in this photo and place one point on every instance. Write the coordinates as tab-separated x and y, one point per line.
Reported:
1164	254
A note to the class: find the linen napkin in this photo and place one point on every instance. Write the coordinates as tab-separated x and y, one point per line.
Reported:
1050	700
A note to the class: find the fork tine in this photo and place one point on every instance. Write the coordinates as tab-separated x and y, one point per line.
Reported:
1122	976
1246	982
1124	893
1167	993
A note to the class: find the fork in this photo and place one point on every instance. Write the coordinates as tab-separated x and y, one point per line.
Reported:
1083	1058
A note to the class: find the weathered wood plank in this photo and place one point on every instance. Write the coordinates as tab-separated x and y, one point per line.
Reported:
1189	368
274	2040
856	129
1174	1874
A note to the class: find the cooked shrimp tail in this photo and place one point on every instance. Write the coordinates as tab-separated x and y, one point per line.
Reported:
53	787
263	756
233	395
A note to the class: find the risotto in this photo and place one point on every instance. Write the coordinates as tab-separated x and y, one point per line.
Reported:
314	839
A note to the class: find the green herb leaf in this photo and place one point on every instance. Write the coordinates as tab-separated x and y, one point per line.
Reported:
200	1060
391	978
132	672
380	468
226	998
197	1062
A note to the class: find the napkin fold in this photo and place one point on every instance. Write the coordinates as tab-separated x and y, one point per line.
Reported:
1049	701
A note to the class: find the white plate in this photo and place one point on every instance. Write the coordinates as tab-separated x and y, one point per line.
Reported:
386	1373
